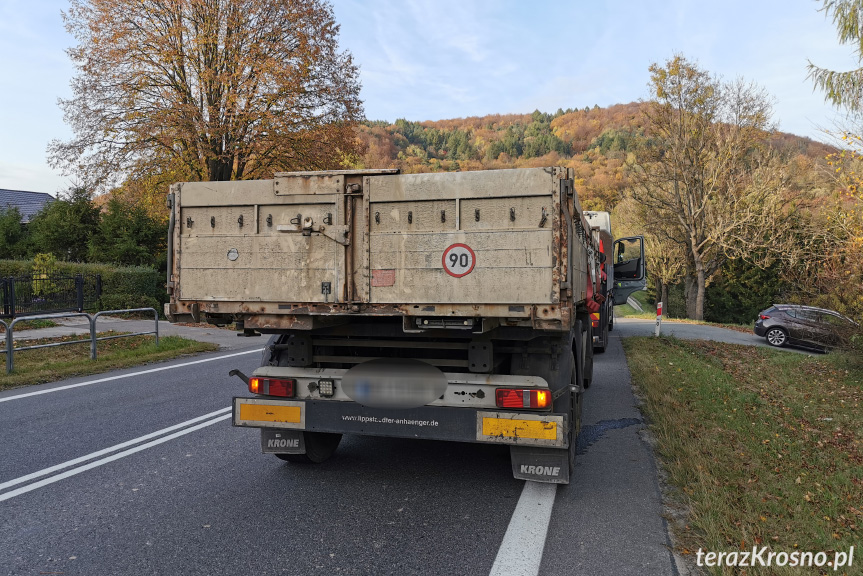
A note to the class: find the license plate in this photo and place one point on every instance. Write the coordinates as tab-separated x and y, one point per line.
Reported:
260	413
509	428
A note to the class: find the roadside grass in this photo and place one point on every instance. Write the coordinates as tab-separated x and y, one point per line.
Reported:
30	325
641	298
760	447
52	364
627	311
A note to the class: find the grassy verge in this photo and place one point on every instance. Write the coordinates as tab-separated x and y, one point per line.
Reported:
761	447
625	310
51	364
30	325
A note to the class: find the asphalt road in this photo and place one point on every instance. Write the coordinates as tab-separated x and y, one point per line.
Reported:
143	474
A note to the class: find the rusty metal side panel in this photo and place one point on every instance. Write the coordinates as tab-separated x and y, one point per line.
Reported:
507	213
510	267
462	185
234	193
217	221
308	183
285	268
414	216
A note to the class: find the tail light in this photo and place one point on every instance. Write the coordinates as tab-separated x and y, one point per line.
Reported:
764	316
522	398
272	386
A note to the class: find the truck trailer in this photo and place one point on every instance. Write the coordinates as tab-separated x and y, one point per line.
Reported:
446	306
622	272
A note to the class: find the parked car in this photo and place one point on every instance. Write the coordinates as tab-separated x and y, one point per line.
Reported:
783	324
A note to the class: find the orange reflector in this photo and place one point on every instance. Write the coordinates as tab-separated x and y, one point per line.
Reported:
522	398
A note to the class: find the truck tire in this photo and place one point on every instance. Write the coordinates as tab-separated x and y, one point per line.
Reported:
603	341
610	318
576	401
587	349
319	447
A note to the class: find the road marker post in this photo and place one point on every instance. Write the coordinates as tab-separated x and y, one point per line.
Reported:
658	318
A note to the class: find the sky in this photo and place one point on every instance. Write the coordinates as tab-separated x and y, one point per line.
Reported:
440	59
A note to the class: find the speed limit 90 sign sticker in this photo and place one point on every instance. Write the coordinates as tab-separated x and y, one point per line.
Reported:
458	260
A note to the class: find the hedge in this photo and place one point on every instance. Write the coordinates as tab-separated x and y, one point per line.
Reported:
122	287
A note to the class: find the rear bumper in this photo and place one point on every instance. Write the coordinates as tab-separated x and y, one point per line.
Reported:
426	422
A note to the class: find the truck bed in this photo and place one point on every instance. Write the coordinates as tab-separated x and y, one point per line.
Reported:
306	248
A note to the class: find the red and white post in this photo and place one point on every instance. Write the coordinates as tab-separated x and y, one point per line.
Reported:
658	318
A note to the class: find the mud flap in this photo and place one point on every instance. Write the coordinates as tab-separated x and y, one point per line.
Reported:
274	441
550	465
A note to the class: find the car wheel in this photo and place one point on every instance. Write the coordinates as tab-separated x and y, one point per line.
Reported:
777	337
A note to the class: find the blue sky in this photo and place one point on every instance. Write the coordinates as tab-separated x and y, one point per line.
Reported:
438	59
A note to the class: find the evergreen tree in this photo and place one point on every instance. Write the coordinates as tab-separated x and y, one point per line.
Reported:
66	226
13	234
128	236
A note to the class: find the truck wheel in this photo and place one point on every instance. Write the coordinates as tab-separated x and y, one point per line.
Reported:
587	370
576	399
576	403
603	342
578	352
319	447
610	318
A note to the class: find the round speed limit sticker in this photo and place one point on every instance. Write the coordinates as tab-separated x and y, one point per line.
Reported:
458	260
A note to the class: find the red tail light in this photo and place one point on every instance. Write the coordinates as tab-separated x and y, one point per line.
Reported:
764	317
522	398
272	386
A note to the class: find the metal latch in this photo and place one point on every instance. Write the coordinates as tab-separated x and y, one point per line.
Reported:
340	234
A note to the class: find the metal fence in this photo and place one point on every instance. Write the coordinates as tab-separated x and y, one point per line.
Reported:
10	349
48	293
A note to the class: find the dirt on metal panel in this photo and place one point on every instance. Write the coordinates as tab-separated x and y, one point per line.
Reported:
500	230
452	185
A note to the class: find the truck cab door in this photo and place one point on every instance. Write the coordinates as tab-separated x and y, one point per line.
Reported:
630	272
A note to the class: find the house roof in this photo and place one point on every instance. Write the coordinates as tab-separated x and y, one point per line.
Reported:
28	203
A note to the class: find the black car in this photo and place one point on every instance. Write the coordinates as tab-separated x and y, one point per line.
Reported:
783	324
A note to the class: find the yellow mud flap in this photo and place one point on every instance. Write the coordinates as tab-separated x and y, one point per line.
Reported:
521	429
266	413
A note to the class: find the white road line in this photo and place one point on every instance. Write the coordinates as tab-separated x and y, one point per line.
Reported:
110	378
103	461
520	553
52	469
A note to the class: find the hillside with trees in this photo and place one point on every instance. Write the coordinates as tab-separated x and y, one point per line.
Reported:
786	249
596	142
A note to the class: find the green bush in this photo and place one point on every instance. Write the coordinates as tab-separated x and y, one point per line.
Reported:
676	305
127	301
740	292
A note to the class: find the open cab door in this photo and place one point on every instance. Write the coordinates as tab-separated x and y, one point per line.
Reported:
630	272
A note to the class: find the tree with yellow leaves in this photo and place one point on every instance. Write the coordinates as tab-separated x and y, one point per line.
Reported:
844	89
206	89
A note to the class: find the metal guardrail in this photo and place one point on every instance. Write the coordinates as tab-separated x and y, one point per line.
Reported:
10	349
